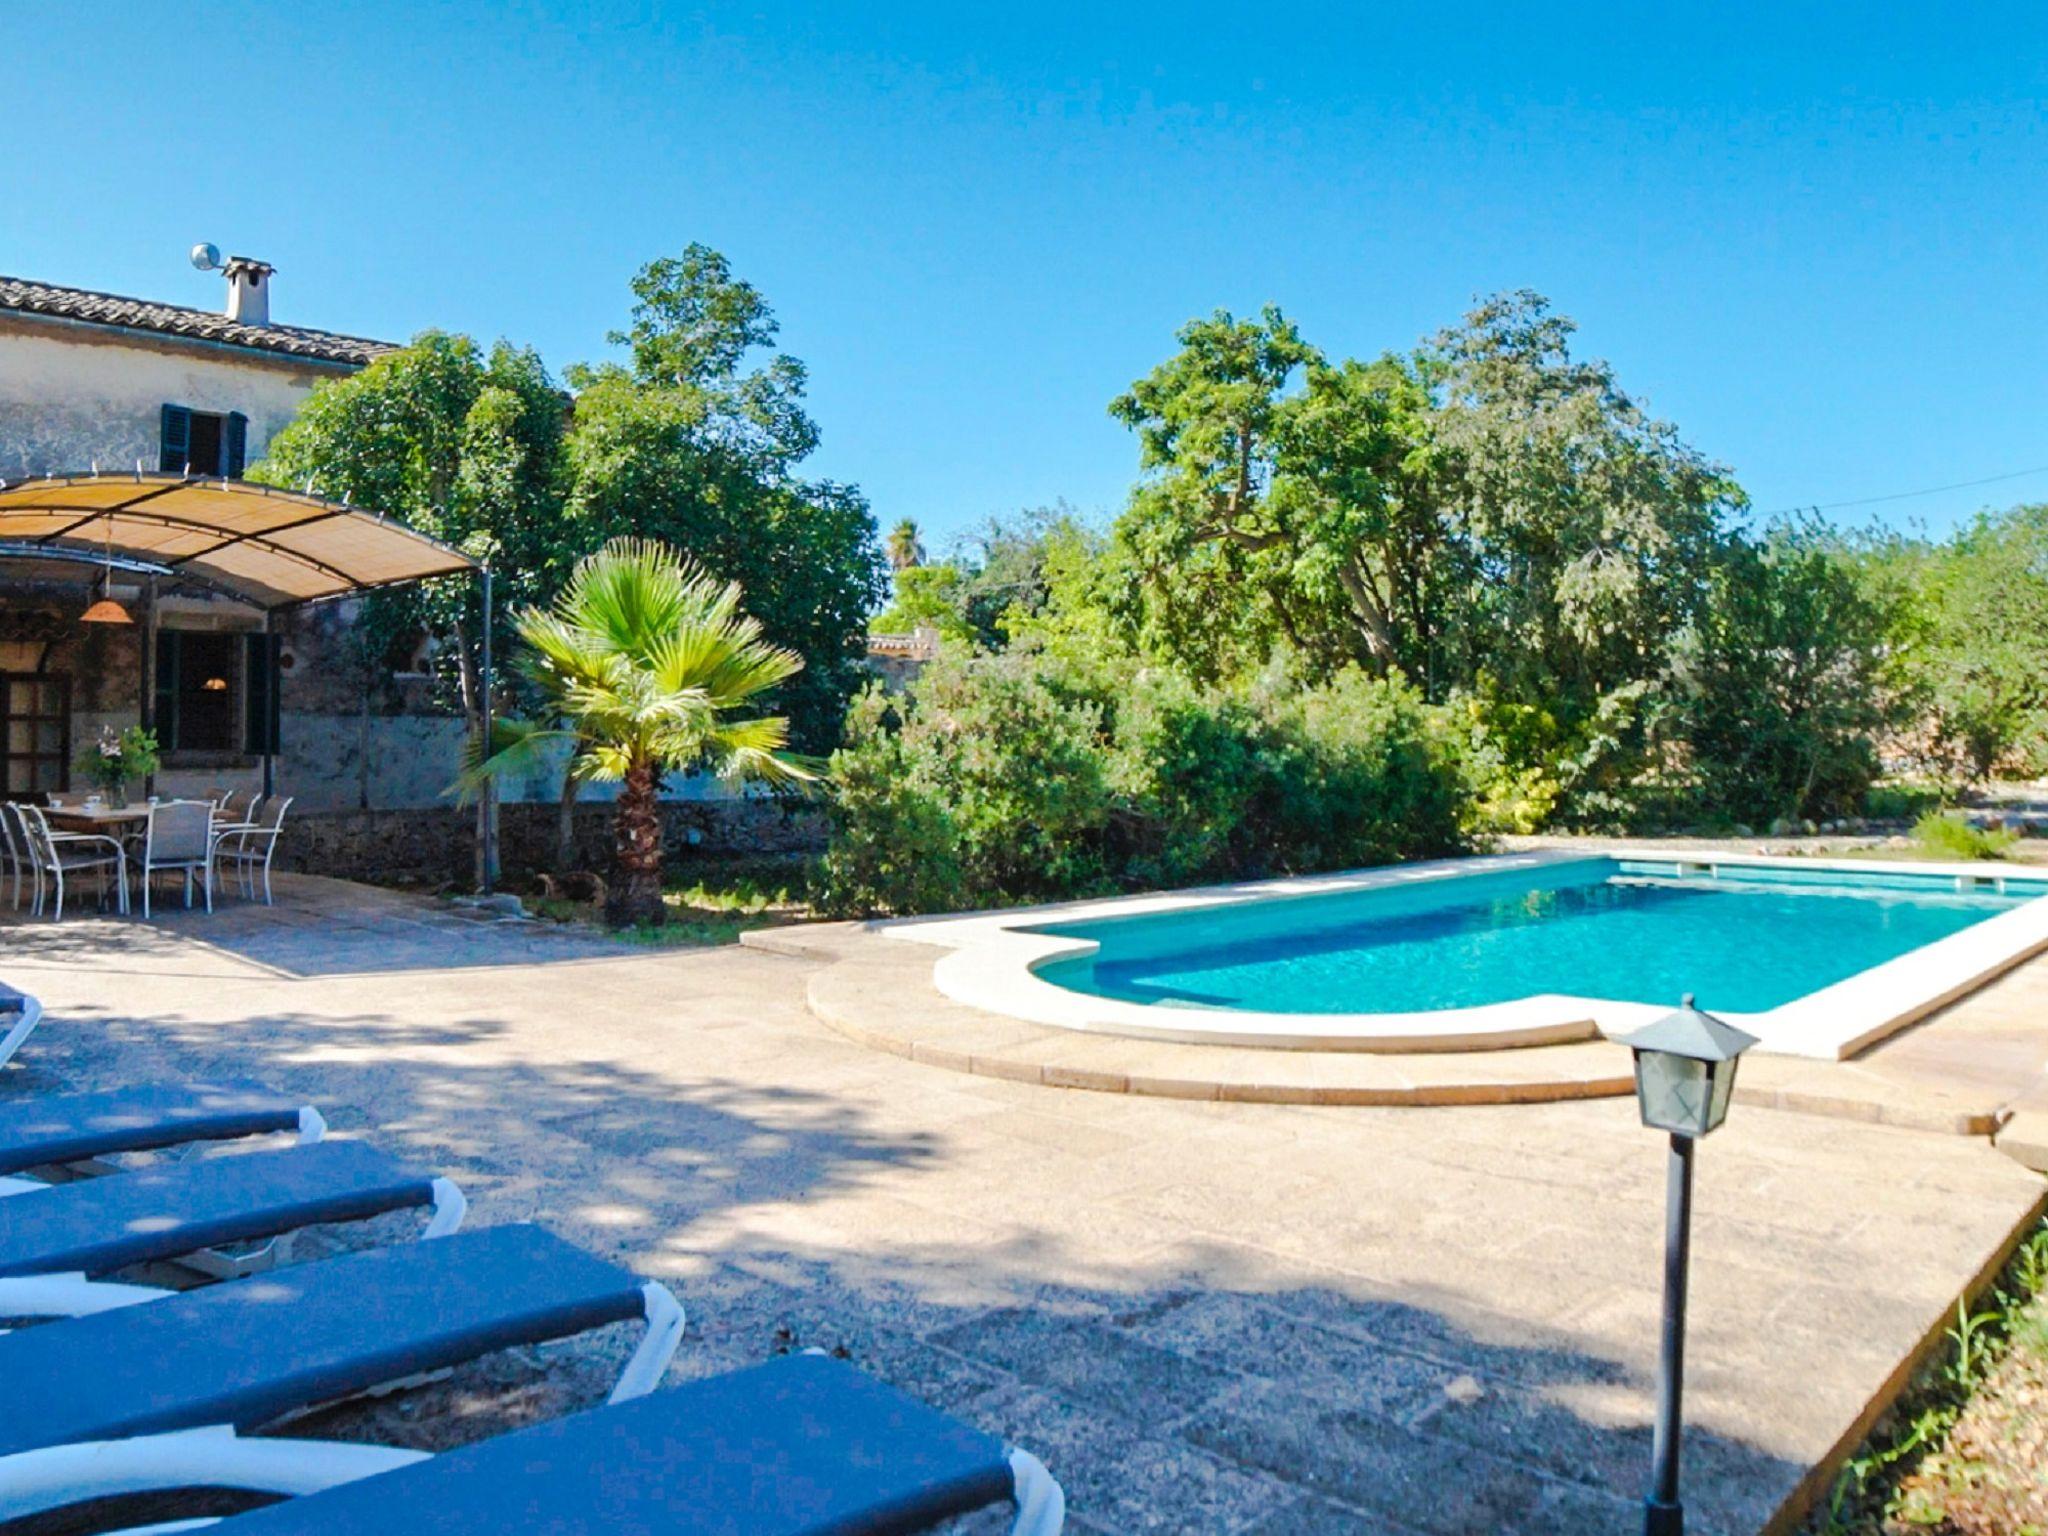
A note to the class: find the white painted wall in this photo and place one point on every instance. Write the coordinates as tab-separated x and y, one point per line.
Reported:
69	399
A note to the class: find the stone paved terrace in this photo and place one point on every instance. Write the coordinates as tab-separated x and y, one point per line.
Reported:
1235	1318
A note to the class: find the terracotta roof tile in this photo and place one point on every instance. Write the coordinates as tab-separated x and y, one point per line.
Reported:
26	297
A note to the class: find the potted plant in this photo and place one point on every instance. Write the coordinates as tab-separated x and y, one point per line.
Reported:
110	763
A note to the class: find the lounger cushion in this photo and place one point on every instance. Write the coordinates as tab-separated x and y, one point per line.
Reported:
67	1127
803	1446
101	1225
247	1351
11	1000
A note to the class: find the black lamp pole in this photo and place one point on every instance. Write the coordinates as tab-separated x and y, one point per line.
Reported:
487	800
1663	1515
1685	1080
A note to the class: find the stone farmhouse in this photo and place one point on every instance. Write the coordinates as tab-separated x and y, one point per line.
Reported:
97	382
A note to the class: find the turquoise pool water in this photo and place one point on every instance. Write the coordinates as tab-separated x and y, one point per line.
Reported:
1621	930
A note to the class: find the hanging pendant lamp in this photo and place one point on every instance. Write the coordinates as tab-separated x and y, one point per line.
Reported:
106	610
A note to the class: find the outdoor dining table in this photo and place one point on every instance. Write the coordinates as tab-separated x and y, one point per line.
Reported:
106	820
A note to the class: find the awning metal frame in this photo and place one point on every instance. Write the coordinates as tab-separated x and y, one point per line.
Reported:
76	535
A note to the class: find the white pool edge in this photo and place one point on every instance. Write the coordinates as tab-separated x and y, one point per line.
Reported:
992	959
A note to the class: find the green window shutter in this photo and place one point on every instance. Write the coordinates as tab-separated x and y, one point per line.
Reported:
259	698
174	440
167	689
234	445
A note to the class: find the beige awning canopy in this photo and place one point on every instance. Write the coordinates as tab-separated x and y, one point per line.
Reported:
264	546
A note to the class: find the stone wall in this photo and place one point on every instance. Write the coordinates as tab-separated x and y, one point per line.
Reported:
437	846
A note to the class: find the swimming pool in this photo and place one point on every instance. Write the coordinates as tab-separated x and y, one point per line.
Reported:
1818	957
1630	931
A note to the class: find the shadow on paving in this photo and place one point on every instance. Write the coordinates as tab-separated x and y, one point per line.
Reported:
1167	1406
318	927
1170	1395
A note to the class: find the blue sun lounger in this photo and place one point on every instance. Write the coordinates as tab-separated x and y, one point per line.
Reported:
19	1015
49	1129
802	1446
234	1357
57	1242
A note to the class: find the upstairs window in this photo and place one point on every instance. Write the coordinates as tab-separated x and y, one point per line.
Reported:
204	443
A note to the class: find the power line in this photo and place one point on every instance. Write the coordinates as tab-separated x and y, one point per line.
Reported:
1932	490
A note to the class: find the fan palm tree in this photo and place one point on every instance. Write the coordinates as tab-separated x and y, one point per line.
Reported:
644	659
905	546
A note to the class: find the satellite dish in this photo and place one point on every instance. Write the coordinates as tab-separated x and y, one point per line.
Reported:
206	257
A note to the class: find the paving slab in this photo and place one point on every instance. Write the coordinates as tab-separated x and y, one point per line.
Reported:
878	992
2024	1139
1219	1317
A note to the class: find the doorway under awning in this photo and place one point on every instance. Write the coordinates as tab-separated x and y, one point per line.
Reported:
259	545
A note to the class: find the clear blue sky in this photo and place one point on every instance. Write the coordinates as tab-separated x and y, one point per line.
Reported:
1812	235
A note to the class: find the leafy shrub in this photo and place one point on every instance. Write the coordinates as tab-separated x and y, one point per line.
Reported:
1955	838
1022	777
1781	686
1182	765
1356	773
1899	802
1971	640
893	844
985	787
1527	768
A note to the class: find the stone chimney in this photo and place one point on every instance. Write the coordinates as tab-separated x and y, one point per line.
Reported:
248	290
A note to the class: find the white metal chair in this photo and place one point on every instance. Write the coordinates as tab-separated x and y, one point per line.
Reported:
14	817
235	806
57	854
14	845
178	836
248	848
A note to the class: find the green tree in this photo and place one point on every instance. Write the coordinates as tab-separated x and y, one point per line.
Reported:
1489	504
1005	563
641	462
1201	529
464	445
1781	686
644	661
1288	501
927	597
1972	640
1086	612
993	583
686	442
690	443
1592	530
695	326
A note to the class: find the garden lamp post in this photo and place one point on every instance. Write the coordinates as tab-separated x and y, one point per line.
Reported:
1685	1075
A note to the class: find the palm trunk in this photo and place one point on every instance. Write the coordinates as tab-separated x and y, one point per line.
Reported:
565	825
635	895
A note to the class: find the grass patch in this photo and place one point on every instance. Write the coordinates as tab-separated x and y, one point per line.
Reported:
1962	1451
1952	837
710	902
